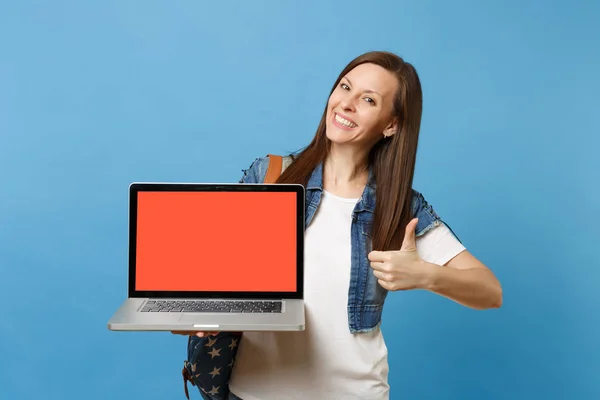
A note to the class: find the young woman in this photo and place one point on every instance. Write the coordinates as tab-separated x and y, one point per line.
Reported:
367	233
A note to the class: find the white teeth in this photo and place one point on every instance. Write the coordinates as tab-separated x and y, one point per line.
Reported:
345	122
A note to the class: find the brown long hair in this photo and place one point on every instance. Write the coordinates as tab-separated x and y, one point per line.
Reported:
392	159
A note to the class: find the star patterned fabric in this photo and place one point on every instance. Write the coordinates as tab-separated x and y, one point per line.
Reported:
209	363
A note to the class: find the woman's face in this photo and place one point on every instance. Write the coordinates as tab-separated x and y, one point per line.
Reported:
360	108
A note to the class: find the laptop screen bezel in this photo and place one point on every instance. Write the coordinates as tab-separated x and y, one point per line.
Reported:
137	187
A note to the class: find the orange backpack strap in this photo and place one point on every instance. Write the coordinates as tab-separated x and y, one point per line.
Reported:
274	170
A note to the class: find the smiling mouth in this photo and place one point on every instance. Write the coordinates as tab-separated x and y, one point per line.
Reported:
343	122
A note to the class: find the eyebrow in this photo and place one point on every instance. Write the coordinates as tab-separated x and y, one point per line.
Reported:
366	91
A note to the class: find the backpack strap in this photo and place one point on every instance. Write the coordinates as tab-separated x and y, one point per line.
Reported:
275	168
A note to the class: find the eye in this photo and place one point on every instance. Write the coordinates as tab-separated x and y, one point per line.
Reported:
370	100
344	86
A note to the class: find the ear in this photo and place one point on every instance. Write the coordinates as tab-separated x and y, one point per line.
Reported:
391	129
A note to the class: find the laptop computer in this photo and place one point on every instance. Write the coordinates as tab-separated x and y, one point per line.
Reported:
214	257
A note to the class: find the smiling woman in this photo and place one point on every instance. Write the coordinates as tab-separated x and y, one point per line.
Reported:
362	102
368	232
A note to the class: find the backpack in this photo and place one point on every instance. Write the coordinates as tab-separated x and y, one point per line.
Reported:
210	359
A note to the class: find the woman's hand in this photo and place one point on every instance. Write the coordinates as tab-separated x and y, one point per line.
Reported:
403	269
194	333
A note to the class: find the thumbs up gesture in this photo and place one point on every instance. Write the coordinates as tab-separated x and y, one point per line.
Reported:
402	269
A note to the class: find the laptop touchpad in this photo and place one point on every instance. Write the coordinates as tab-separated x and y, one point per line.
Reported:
199	319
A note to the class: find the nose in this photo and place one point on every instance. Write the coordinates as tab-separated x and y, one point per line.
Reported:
347	104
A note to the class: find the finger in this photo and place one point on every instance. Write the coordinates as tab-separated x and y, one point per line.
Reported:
409	242
384	276
378	256
378	266
187	333
204	334
384	284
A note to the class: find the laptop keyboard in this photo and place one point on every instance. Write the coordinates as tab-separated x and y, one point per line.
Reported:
213	306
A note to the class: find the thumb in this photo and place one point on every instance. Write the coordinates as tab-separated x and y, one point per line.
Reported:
409	242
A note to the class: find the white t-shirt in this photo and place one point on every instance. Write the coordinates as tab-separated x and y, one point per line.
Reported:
326	361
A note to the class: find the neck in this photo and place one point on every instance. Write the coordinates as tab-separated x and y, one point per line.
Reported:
345	171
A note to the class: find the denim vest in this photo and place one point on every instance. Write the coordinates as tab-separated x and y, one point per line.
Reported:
365	295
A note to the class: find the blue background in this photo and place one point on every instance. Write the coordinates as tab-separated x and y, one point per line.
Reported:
94	95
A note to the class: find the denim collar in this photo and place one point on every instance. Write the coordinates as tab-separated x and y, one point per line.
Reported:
367	199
